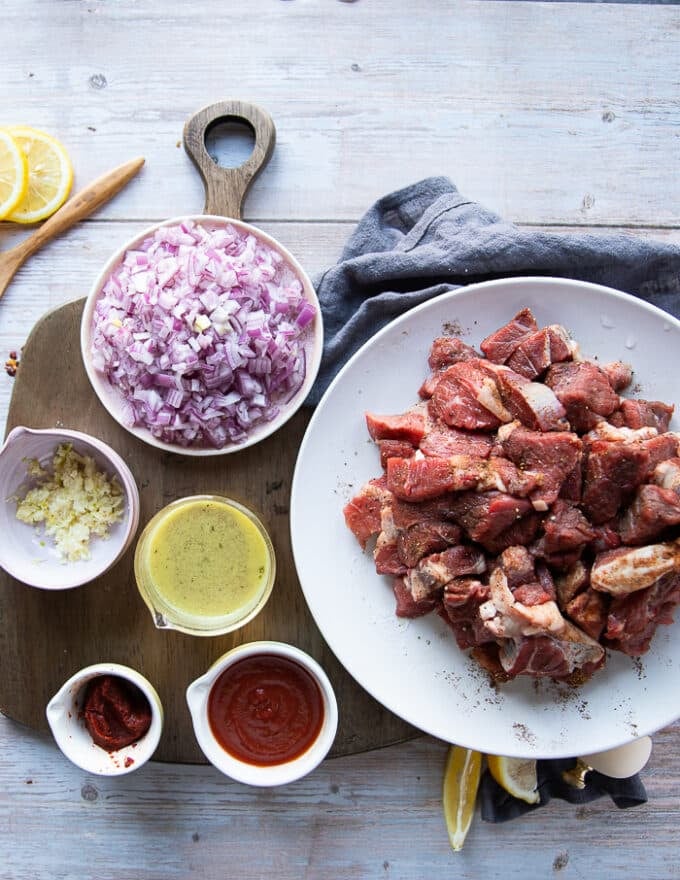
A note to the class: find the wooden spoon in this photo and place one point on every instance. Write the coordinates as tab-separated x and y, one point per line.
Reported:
77	208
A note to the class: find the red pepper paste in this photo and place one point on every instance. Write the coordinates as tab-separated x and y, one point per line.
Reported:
265	710
116	712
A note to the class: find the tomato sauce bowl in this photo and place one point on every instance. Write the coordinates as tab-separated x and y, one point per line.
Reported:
264	714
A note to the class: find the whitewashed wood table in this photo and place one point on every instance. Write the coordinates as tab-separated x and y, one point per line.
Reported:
554	114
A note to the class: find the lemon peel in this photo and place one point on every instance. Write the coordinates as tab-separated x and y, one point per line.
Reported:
461	783
13	174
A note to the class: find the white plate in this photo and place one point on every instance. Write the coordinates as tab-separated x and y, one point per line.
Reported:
414	667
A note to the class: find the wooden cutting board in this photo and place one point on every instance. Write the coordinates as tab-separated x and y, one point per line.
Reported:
46	637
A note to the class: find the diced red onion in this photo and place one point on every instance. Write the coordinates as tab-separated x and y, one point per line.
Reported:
203	331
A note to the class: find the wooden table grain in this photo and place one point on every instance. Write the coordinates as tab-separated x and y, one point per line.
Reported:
557	115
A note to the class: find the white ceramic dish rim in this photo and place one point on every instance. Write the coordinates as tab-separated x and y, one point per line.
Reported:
81	575
107	395
499	727
197	699
73	738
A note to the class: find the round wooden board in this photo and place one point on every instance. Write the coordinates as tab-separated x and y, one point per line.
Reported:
46	637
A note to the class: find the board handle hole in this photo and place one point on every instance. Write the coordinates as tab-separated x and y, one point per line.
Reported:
230	142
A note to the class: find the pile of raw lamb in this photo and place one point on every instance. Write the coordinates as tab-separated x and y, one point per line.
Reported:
528	503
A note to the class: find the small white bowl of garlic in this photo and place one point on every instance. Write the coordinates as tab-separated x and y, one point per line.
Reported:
70	507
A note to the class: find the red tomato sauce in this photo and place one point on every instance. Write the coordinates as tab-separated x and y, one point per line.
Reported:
115	711
265	710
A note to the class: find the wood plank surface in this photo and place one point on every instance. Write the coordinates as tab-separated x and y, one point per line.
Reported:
562	115
520	103
366	817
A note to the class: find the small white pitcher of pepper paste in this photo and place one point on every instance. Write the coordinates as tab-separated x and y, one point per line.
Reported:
66	715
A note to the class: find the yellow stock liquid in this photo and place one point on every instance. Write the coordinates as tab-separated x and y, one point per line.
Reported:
208	559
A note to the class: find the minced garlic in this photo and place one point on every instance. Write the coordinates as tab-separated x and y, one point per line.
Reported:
75	502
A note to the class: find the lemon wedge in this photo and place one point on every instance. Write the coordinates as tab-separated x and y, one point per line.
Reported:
13	174
50	175
516	775
461	782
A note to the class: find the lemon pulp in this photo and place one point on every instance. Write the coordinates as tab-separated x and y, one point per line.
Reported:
50	175
516	775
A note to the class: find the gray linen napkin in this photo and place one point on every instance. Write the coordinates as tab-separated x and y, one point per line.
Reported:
499	806
427	239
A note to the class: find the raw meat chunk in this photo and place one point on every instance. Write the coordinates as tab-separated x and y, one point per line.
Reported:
536	639
435	571
571	582
640	413
448	350
653	510
386	556
667	474
407	606
532	403
555	455
629	569
565	528
585	392
462	600
620	375
500	345
442	441
408	426
660	449
539	350
633	619
363	513
613	472
394	449
426	537
589	611
466	397
418	479
486	514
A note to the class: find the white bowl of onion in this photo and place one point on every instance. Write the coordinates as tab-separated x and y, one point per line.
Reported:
202	335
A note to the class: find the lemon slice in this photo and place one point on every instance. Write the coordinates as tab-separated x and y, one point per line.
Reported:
516	775
13	174
461	781
50	175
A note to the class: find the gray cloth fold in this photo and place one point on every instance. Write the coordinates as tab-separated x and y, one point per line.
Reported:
426	239
499	806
